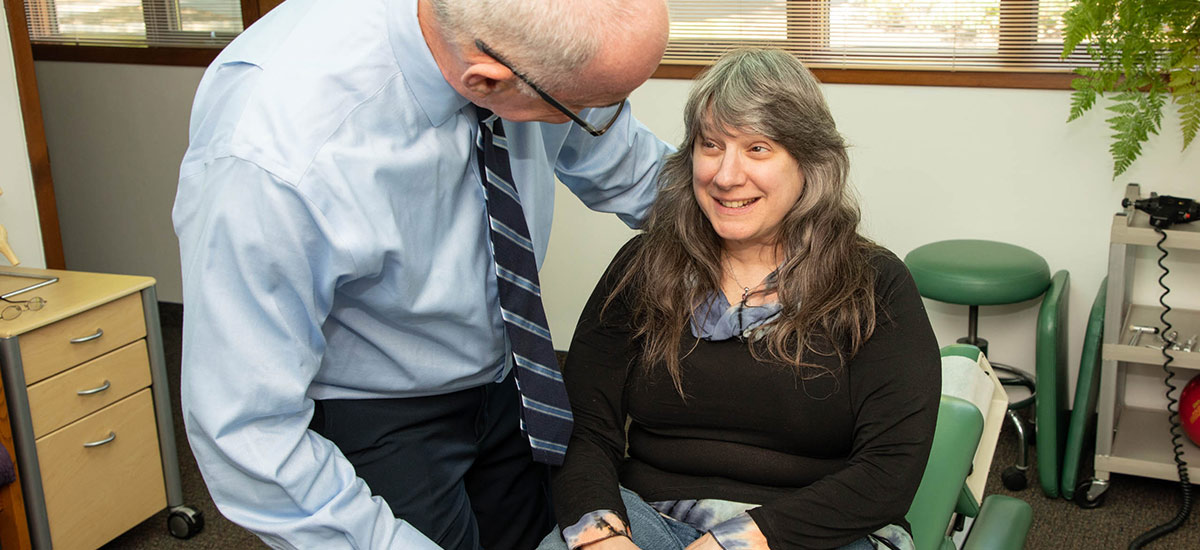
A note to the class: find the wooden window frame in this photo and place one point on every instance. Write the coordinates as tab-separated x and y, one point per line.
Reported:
1018	32
155	12
1012	35
43	187
912	77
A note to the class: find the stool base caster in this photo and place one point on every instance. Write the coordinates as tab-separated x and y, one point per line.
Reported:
1090	493
184	522
1013	478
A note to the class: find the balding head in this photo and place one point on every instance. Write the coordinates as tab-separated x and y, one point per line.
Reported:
629	51
560	44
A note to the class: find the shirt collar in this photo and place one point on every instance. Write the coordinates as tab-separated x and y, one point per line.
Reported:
435	96
716	319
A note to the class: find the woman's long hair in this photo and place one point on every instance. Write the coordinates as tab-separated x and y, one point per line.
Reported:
825	283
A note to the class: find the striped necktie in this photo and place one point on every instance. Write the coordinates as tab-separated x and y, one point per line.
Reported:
545	414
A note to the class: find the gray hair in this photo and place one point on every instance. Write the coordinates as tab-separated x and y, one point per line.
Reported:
549	41
769	92
825	282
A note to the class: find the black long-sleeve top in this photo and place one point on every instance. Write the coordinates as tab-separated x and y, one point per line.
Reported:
829	458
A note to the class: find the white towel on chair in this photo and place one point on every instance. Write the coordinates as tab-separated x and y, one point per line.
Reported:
962	378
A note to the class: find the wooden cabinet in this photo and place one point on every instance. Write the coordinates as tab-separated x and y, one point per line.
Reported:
102	474
60	346
88	406
87	388
13	530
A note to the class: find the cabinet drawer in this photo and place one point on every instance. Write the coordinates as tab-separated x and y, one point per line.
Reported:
95	493
56	402
49	350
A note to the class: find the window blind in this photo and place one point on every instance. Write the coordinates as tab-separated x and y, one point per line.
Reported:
183	23
1000	35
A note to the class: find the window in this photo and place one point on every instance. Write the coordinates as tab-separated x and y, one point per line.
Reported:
924	35
181	23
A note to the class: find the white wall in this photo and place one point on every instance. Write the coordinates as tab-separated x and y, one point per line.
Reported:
929	164
116	135
18	208
934	163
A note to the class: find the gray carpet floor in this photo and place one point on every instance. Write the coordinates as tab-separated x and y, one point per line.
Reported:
1132	506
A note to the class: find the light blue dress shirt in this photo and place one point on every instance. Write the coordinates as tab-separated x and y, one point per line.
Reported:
332	230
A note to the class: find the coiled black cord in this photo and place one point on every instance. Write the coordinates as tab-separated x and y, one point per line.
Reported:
1185	508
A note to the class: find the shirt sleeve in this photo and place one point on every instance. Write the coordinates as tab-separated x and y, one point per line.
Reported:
594	527
739	533
260	265
616	172
595	372
895	384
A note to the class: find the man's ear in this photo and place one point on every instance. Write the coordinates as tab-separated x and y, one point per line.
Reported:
486	78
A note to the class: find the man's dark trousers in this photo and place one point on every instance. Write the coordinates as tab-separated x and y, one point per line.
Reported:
455	466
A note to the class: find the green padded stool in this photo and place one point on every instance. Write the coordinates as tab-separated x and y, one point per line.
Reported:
984	273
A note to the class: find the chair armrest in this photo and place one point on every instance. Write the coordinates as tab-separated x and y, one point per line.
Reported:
967	504
954	442
1003	524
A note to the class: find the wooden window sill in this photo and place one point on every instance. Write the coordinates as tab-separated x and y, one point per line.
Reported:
202	57
150	55
913	77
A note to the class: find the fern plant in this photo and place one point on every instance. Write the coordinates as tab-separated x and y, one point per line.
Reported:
1147	52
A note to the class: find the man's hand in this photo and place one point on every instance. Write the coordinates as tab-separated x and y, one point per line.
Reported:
707	542
613	543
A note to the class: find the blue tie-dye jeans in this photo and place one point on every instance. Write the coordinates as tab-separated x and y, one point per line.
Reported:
652	530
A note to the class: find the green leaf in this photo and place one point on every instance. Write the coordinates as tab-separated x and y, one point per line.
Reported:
1125	108
1081	102
1188	99
1185	90
1147	54
1127	97
1189	125
1084	97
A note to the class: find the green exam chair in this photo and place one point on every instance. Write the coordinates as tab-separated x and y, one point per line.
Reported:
953	484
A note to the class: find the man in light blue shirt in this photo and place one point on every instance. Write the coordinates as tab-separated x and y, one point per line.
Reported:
346	382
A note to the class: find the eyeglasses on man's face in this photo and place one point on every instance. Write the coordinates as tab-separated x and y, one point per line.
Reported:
15	307
549	99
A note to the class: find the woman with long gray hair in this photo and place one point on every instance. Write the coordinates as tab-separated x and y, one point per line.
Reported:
750	371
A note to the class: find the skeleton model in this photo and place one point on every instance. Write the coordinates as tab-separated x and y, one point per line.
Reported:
5	249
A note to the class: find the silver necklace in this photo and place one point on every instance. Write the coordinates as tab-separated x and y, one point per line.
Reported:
745	289
741	330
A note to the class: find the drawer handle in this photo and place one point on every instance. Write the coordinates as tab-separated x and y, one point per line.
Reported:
111	436
99	389
89	338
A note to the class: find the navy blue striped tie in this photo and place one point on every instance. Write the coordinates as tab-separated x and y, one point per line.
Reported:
545	415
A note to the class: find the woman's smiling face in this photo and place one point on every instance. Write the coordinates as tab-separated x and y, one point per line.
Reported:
745	184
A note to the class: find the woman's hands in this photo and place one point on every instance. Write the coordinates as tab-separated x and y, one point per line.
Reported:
613	543
707	542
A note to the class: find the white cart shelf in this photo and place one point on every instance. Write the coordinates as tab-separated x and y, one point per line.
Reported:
1141	446
1186	321
1132	440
